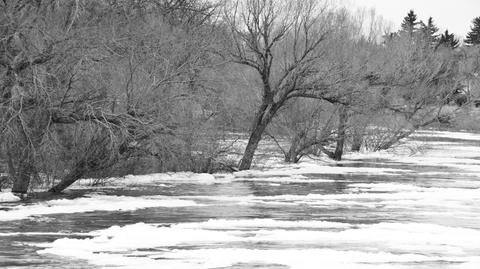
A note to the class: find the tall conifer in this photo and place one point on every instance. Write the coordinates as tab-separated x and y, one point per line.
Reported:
473	37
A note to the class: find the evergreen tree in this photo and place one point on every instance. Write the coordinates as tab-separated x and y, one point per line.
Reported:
448	40
429	32
409	24
473	37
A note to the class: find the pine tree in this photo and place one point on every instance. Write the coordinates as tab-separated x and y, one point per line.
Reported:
410	23
429	32
473	37
448	40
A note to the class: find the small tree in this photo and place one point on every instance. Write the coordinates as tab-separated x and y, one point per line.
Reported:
473	37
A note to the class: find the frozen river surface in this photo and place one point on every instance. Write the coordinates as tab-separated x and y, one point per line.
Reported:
379	210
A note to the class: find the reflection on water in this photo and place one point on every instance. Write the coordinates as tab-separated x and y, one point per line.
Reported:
425	217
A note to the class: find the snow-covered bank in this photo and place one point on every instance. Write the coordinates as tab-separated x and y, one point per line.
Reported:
8	197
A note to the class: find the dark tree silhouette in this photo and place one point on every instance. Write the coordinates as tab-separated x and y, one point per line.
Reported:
473	37
410	23
448	40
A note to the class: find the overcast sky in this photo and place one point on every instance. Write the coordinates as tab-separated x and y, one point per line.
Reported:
454	15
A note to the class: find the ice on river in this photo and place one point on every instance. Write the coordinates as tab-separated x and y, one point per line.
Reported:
91	204
417	206
280	244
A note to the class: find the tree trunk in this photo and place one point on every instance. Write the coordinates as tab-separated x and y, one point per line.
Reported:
342	125
29	136
292	156
21	161
98	155
263	118
21	179
255	137
77	172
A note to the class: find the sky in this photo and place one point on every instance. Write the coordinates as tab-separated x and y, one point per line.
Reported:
454	15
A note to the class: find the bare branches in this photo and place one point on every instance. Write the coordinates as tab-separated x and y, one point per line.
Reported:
63	65
282	46
123	121
261	28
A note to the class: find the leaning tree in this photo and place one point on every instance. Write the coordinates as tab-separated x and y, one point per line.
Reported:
46	64
60	90
413	83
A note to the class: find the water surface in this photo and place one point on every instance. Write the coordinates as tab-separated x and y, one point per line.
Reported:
370	211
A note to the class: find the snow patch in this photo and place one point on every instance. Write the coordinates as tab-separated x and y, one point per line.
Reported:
8	197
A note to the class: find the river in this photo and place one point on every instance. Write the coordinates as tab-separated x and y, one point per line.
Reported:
373	210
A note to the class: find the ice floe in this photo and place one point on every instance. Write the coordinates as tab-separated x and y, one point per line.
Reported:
90	204
270	242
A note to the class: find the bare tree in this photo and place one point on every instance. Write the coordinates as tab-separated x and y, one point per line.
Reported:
282	42
346	63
